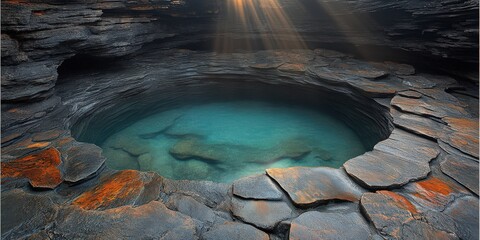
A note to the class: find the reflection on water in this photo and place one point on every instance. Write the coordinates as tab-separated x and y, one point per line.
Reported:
224	141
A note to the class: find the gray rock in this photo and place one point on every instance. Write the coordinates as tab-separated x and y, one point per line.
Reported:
261	213
256	187
234	231
152	220
307	186
320	225
24	213
465	212
190	207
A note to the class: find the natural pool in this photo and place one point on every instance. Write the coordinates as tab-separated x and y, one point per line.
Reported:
223	131
227	140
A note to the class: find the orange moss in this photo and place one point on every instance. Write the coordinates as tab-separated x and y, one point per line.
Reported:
124	185
40	169
400	201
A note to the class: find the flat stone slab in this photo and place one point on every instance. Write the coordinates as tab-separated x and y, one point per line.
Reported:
395	217
387	211
24	213
261	213
434	192
462	134
190	207
321	225
234	231
41	169
378	170
428	106
257	187
463	170
409	146
82	161
127	187
152	220
307	186
465	213
422	126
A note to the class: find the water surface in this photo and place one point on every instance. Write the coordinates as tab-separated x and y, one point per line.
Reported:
223	141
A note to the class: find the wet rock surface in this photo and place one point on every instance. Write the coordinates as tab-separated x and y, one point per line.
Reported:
427	163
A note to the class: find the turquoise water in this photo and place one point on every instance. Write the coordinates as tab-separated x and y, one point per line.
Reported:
227	140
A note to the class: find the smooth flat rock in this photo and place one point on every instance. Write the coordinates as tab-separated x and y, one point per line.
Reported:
463	170
190	207
149	221
423	126
127	187
207	192
428	107
24	213
410	94
378	169
41	169
434	192
261	213
465	212
388	211
462	134
234	231
82	161
292	67
400	68
320	225
307	186
409	146
415	81
257	187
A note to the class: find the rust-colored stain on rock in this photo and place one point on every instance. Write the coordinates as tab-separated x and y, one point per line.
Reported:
113	191
40	168
400	201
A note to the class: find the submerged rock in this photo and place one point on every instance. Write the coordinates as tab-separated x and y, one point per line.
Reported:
196	148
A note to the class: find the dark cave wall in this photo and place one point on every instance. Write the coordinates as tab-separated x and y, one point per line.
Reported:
37	36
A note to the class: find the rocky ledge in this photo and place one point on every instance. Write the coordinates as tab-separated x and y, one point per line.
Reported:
420	182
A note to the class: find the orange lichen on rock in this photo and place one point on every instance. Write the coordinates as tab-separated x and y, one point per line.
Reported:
40	169
434	192
118	189
400	201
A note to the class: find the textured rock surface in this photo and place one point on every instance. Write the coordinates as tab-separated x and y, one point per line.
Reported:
234	231
127	187
396	217
40	169
24	213
319	225
261	213
123	205
257	187
463	170
152	220
307	186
